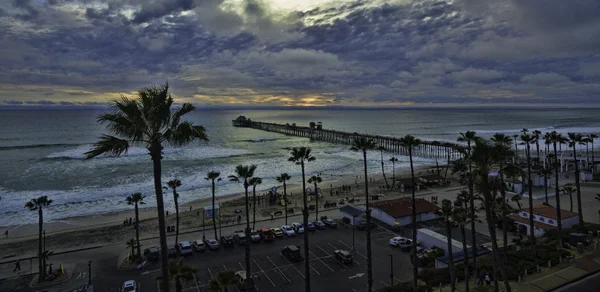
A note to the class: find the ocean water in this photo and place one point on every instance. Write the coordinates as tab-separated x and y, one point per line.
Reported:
41	152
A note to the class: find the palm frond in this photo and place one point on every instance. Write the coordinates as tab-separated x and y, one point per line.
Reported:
108	145
185	133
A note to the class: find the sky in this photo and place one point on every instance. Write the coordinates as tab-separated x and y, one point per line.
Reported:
302	52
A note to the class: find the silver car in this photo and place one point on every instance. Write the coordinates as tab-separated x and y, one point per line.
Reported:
212	243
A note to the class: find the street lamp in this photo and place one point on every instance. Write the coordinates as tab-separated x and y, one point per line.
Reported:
391	269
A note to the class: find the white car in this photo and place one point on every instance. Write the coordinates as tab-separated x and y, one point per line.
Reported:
185	247
199	245
212	244
398	240
254	236
129	286
288	230
298	227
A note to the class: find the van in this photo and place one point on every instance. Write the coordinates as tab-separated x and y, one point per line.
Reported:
241	278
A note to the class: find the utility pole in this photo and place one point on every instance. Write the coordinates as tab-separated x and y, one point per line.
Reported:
391	270
44	241
89	273
204	226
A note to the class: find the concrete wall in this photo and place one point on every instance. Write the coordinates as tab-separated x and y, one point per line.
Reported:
382	216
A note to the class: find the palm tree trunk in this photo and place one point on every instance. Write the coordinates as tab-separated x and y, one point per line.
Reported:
253	207
368	219
466	261
137	230
504	215
587	155
305	222
537	148
155	152
42	273
546	187
285	202
451	256
557	190
175	199
383	171
579	210
571	199
472	212
593	163
316	202
178	286
248	241
530	191
414	225
394	174
213	210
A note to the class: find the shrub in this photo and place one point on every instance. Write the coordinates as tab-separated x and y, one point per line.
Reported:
405	287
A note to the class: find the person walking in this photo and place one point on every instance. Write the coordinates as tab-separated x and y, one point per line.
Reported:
481	278
17	266
488	282
6	233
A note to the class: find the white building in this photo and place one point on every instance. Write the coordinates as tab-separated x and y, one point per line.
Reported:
400	211
544	218
354	214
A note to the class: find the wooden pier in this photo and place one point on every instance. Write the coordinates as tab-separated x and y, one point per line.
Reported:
315	131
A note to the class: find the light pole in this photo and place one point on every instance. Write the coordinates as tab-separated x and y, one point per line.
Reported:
391	270
353	228
44	241
203	226
90	273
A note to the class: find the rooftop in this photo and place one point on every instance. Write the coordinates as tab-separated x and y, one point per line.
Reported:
550	212
403	207
537	224
352	210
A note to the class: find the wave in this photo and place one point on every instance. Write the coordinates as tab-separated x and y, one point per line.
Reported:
255	140
33	146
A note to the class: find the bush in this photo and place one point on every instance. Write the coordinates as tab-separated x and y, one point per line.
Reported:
435	276
406	287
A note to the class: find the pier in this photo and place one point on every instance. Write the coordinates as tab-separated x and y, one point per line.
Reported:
315	131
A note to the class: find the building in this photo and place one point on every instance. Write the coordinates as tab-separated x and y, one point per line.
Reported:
459	257
400	211
354	213
544	218
208	211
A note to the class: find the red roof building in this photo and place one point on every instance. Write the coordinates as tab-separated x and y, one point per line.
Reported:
400	211
544	218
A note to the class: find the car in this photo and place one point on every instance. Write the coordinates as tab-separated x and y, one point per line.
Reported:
185	248
199	245
362	225
330	223
172	252
266	234
212	243
287	230
227	240
398	240
152	253
254	236
298	228
277	232
319	225
241	279
292	253
129	286
310	226
344	256
239	237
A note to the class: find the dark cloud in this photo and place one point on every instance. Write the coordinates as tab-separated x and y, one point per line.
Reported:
159	8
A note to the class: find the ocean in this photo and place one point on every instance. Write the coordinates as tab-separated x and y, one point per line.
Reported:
41	152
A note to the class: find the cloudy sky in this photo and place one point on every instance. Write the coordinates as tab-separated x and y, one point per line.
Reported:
303	52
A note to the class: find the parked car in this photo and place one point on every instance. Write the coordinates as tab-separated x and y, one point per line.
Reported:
152	253
330	223
254	236
212	243
277	232
129	286
199	245
362	225
310	226
287	230
266	234
241	278
239	237
398	240
227	240
344	256
185	248
298	227
172	252
292	253
319	225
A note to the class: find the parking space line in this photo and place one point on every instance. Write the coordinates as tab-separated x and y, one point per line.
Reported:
334	247
292	265
196	282
362	255
280	272
241	266
322	260
263	271
314	269
386	284
397	279
211	275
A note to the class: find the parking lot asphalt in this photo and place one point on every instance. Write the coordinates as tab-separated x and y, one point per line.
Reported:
273	272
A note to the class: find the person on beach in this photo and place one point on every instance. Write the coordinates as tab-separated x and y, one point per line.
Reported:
481	277
6	233
17	266
239	218
488	282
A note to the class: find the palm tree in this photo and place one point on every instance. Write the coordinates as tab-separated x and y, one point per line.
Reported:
557	138
527	140
591	138
46	256
393	160
516	148
213	176
136	199
243	173
574	140
180	273
316	180
447	214
282	178
569	189
545	172
461	217
132	243
536	136
38	205
470	137
517	199
223	281
254	182
381	149
503	144
363	144
300	156
148	120
174	184
409	141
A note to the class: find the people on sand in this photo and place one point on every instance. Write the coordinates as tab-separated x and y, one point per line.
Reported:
6	233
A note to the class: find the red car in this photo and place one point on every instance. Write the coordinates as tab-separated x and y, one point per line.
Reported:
266	234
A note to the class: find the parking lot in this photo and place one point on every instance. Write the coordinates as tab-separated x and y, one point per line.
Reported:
273	272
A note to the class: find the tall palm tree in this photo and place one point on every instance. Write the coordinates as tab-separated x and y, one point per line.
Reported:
283	178
136	199
39	205
363	145
517	199
381	149
574	140
393	160
461	217
527	140
46	256
503	143
131	243
447	214
174	184
316	180
409	141
546	173
591	138
213	176
516	148
300	156
569	189
557	139
243	173
254	182
470	137
223	281
181	273
150	121
536	136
